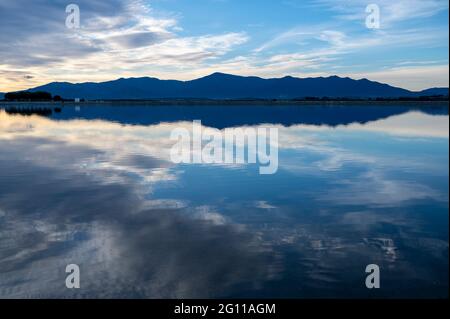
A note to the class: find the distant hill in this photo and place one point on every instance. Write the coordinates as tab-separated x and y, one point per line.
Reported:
226	86
2	95
434	91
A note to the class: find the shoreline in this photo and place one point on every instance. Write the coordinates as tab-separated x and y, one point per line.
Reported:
230	102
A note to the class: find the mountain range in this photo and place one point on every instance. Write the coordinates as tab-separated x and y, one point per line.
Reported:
227	86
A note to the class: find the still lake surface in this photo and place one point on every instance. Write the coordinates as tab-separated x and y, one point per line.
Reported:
94	186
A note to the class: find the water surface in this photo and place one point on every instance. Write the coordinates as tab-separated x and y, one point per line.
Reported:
94	186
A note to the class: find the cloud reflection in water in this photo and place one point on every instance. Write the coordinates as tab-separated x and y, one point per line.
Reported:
105	196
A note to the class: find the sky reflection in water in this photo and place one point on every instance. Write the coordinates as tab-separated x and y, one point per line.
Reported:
96	187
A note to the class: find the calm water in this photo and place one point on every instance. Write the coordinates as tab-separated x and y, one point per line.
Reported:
94	186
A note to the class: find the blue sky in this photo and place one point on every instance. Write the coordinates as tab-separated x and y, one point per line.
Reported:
181	39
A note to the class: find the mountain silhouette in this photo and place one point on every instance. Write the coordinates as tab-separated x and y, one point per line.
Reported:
227	86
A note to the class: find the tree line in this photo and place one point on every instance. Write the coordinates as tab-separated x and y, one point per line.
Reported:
31	96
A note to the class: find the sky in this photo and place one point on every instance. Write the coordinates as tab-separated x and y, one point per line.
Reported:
185	39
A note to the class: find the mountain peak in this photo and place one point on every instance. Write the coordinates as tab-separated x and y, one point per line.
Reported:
335	77
220	75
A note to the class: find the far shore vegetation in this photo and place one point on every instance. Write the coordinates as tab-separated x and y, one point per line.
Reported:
41	96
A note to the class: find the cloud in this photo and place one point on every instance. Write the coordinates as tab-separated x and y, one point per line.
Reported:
116	38
292	35
392	12
324	50
412	77
373	189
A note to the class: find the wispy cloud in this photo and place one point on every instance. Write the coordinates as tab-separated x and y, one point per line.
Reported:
391	11
116	38
411	77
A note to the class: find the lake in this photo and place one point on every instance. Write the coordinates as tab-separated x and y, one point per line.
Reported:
93	185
